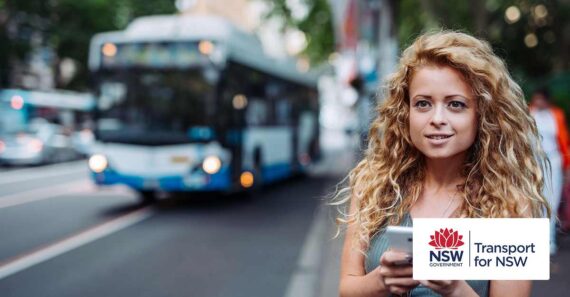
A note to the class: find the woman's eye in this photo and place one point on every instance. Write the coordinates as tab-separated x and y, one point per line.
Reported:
422	104
457	105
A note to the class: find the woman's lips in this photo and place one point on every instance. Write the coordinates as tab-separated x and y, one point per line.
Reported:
438	139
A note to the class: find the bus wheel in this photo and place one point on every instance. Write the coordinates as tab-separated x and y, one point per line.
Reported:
147	197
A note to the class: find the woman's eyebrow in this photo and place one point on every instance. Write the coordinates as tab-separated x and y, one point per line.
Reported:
422	96
457	95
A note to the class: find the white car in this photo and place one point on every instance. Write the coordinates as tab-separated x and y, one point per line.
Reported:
83	141
40	143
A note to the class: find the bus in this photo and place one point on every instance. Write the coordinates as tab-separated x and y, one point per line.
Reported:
39	127
192	103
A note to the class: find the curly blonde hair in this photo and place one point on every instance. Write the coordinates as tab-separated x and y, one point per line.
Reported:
504	169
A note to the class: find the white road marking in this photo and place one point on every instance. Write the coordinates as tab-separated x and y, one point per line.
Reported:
22	175
23	262
46	193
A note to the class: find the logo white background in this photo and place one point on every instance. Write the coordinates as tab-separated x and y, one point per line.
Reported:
488	232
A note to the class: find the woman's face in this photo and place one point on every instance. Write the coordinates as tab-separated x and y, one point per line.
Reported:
443	112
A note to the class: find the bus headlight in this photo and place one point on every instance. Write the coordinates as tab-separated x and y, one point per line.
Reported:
98	163
212	164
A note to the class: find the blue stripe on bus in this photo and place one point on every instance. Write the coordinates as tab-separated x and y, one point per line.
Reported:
276	172
110	178
214	182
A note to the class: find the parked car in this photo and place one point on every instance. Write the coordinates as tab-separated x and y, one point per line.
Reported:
83	141
40	143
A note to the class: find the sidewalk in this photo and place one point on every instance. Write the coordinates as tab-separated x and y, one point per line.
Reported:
332	247
330	269
317	270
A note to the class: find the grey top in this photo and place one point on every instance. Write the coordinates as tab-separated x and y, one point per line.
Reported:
378	246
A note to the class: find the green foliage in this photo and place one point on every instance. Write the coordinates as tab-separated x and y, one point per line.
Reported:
74	25
486	19
317	25
280	9
78	21
65	26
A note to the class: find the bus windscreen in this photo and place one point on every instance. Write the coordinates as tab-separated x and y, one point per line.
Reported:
153	107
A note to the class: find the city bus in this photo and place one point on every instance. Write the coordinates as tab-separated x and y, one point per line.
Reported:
39	127
188	103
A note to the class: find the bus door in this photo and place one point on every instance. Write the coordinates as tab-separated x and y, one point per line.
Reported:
230	120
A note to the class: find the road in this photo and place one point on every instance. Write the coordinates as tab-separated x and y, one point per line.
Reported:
61	236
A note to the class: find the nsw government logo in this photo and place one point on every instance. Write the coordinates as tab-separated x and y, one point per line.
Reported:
447	243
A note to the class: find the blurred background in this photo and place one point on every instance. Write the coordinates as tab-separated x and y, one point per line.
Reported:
188	147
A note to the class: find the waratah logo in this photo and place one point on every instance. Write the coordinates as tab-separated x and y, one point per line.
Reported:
446	239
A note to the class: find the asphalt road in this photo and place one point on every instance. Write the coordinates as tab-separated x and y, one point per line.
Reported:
61	236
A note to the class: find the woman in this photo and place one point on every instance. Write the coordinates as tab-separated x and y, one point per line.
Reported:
551	125
453	138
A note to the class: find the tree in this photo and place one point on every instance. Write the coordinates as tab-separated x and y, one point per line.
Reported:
77	21
317	26
66	27
487	19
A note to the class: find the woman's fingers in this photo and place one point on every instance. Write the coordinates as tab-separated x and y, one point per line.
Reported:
397	277
401	282
441	283
387	267
395	271
389	258
434	285
439	286
402	286
399	290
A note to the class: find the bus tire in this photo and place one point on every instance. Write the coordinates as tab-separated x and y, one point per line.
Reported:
147	197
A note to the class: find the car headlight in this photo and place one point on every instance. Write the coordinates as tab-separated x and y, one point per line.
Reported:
36	145
212	164
98	163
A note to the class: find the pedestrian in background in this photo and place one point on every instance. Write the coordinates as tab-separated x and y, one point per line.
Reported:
555	141
453	138
364	109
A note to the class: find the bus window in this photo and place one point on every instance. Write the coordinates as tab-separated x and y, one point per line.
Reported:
283	112
256	114
112	93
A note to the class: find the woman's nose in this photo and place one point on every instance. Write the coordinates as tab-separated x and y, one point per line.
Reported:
439	117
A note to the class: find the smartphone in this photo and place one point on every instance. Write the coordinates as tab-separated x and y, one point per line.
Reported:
400	239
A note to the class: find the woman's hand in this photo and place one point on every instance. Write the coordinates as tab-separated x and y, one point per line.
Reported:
397	278
449	288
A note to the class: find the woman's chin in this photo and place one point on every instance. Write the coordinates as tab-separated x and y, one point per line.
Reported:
440	155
